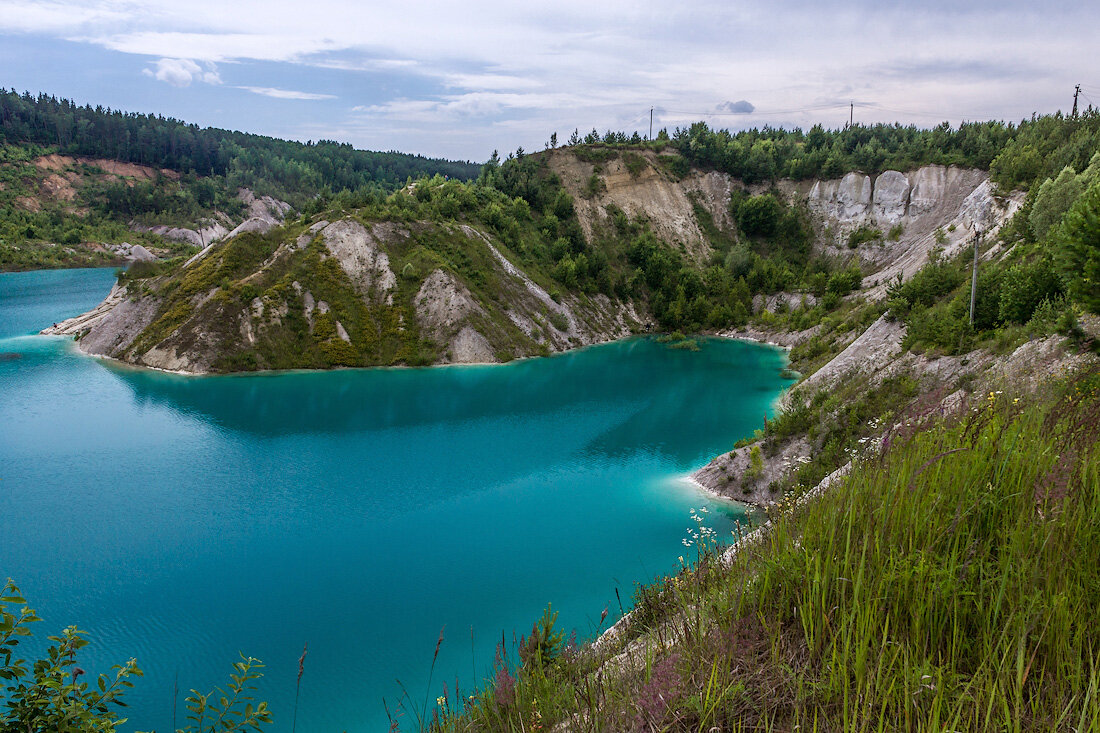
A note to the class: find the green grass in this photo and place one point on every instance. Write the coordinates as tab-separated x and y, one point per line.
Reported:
949	583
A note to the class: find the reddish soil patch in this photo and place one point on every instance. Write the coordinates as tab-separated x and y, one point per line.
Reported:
27	203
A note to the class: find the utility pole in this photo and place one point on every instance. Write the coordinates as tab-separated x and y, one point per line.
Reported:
974	276
852	114
1075	93
651	119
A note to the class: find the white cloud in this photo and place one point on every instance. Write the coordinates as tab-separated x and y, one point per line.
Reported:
286	93
182	72
582	64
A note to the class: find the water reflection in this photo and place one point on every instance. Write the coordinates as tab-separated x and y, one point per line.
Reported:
636	384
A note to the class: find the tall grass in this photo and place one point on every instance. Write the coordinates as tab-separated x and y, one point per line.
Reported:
951	582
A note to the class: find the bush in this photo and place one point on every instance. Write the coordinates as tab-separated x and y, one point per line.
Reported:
1078	249
843	282
1054	199
1024	287
758	216
930	283
48	694
863	234
595	186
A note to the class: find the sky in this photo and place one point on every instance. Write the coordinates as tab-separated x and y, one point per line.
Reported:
461	79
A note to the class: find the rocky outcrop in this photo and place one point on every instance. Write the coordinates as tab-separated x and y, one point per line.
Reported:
646	191
928	209
359	315
261	214
131	252
361	255
444	307
265	208
871	352
846	199
890	199
112	325
561	324
213	231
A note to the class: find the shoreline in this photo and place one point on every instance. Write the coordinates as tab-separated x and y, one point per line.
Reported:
306	370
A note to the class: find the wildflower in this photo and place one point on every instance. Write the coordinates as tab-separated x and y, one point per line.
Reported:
504	688
441	701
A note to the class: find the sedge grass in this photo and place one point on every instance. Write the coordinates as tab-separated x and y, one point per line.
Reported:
951	582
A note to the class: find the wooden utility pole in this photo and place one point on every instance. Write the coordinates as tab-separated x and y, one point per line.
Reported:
851	114
1075	93
974	276
651	120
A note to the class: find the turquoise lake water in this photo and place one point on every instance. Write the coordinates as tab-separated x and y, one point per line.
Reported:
180	520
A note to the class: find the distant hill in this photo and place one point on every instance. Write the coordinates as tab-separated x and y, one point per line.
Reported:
78	185
292	171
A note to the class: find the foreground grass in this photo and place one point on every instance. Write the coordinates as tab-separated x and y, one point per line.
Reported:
949	583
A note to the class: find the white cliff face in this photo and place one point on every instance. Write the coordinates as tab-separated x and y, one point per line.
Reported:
846	199
930	209
894	197
361	255
890	200
929	184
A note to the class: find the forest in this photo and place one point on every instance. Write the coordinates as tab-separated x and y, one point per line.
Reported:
1015	154
285	169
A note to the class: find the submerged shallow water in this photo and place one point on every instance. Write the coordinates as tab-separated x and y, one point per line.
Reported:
181	520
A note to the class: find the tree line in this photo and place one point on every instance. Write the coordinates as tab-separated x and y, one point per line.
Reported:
291	170
1016	154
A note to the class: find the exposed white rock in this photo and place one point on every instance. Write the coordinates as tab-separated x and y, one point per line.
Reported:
442	303
853	196
140	254
929	185
308	306
869	353
112	325
264	207
360	256
890	198
255	224
470	347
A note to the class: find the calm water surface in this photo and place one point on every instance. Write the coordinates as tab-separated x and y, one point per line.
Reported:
181	520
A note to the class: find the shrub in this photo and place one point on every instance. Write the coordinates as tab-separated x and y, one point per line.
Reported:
635	164
845	281
1078	249
758	216
1054	199
863	234
930	283
48	694
595	186
756	464
1024	287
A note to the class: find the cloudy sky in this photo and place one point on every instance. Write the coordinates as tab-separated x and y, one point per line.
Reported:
460	79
